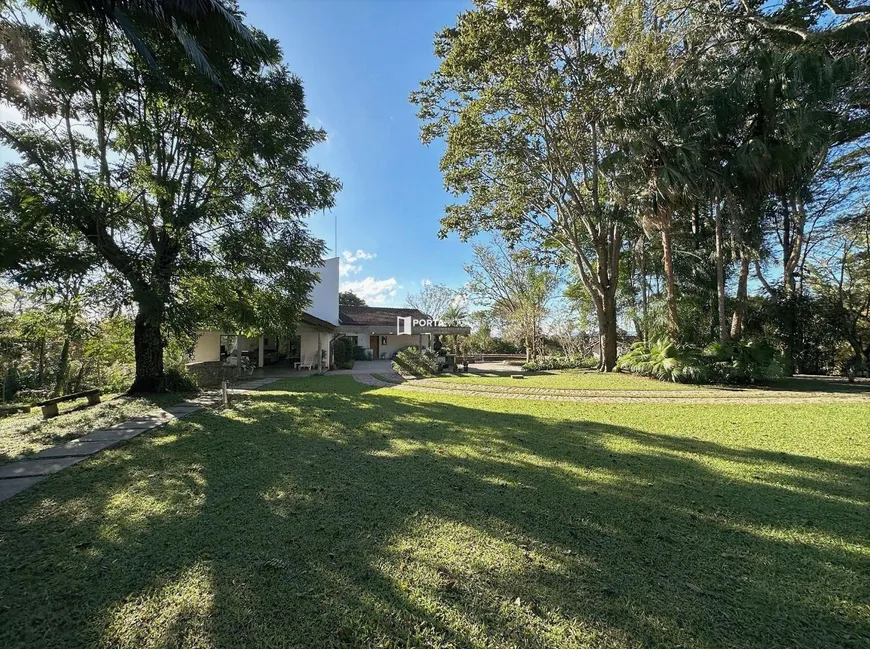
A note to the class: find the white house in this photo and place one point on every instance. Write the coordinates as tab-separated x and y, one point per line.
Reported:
383	330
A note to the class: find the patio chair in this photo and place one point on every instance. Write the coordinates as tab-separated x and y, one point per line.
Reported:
306	362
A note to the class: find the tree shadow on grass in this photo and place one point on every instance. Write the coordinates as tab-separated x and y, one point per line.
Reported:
338	515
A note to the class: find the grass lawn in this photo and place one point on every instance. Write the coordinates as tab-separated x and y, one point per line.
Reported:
27	433
569	379
326	513
592	380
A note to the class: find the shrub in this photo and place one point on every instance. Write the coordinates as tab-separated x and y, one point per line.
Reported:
360	353
745	361
735	363
31	395
413	362
118	377
662	359
178	380
559	363
343	351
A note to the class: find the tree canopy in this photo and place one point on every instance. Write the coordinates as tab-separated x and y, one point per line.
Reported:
678	156
189	196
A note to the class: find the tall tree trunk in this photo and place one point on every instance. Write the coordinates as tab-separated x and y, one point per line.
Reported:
62	370
148	349
644	293
607	334
670	281
740	305
720	274
40	370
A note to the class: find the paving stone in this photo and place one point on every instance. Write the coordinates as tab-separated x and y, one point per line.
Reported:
26	468
139	425
76	448
12	486
183	412
112	435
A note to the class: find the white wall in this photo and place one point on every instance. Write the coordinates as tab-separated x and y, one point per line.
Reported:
395	343
208	347
308	341
324	294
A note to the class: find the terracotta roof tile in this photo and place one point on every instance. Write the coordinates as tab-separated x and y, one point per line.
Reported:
376	316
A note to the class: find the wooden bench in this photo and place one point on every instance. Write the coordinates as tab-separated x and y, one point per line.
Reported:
49	406
7	411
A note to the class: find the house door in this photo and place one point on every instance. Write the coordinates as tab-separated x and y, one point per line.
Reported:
375	344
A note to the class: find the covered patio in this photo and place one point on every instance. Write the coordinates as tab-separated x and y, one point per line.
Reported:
309	348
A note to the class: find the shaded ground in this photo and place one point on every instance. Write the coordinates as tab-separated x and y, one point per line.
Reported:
341	515
27	433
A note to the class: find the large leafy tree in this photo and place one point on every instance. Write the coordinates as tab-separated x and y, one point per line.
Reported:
140	21
192	194
515	291
349	298
432	299
523	97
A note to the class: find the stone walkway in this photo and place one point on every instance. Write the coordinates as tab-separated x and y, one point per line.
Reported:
702	396
18	476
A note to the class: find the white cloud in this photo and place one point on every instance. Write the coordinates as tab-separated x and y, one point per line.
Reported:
345	269
425	282
346	265
351	257
373	291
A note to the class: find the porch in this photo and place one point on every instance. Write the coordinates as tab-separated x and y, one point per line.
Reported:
309	348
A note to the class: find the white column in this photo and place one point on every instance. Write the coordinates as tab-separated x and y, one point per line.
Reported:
319	353
260	358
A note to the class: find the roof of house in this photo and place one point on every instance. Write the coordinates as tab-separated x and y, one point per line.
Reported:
315	321
376	316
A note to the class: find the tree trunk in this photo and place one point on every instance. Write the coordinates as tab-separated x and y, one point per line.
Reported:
740	306
148	350
670	281
40	371
644	294
607	334
62	370
80	377
720	275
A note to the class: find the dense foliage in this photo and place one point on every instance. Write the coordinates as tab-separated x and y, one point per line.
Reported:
188	197
697	167
343	351
560	363
412	361
43	354
742	362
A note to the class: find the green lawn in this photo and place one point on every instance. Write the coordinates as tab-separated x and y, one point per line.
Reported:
27	433
575	380
591	380
325	513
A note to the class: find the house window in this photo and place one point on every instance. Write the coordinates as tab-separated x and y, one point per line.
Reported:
354	340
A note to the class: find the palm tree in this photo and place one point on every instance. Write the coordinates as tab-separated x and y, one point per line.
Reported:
455	316
662	129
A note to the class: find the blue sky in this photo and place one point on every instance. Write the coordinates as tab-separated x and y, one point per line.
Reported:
359	60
